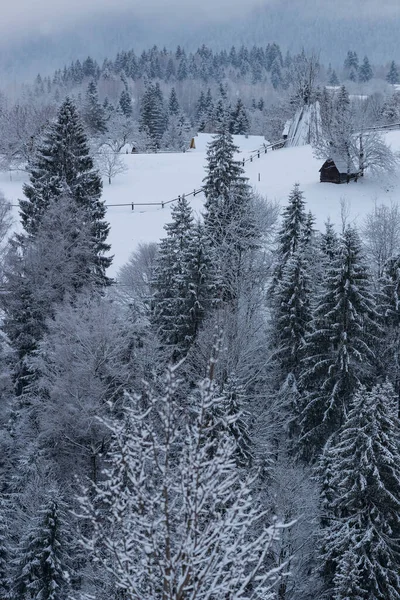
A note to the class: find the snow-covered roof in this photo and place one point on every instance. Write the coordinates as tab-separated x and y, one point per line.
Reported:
342	164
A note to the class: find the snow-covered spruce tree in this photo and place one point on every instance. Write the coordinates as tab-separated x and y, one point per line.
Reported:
393	74
41	271
291	303
173	104
293	310
182	282
62	166
42	566
93	113
339	351
125	103
152	113
365	72
361	548
223	172
176	520
291	232
389	310
329	242
234	408
239	119
176	134
229	217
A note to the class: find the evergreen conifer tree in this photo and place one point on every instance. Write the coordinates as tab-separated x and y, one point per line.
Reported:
365	72
228	220
42	564
62	166
152	113
333	79
201	112
224	173
181	281
361	547
389	310
351	61
329	241
276	74
173	104
182	72
290	235
125	103
93	112
292	300
239	119
339	352
238	420
63	247
393	74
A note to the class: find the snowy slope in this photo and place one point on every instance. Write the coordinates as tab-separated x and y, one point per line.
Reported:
160	177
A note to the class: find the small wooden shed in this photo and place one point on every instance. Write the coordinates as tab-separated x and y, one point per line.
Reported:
337	170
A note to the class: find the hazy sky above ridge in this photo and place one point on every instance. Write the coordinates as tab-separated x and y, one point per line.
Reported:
46	16
30	17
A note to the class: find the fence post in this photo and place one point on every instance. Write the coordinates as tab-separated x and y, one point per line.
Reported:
244	162
194	193
162	204
251	159
133	206
259	177
258	154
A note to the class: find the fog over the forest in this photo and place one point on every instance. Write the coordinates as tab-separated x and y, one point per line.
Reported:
46	16
46	34
49	16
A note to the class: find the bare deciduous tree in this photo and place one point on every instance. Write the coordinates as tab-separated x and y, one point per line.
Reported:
381	235
109	161
177	521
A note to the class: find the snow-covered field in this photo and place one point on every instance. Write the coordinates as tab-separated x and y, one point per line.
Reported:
161	177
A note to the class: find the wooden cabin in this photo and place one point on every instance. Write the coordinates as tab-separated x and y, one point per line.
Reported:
335	170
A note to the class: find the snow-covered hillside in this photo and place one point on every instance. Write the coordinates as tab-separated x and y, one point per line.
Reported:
161	177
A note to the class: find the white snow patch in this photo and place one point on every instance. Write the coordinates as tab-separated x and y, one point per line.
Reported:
161	177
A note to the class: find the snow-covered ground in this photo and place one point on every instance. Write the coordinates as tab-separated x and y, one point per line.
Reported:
161	177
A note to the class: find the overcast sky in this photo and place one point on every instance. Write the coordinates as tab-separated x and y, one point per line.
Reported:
19	17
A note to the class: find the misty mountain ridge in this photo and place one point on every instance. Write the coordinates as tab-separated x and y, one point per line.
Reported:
290	24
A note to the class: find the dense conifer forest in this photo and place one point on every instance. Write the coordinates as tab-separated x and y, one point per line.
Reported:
221	422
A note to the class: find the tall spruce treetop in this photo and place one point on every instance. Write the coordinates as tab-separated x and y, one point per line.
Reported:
290	235
339	350
227	216
173	104
62	166
43	562
365	72
365	501
393	74
223	171
181	281
293	223
93	112
329	241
